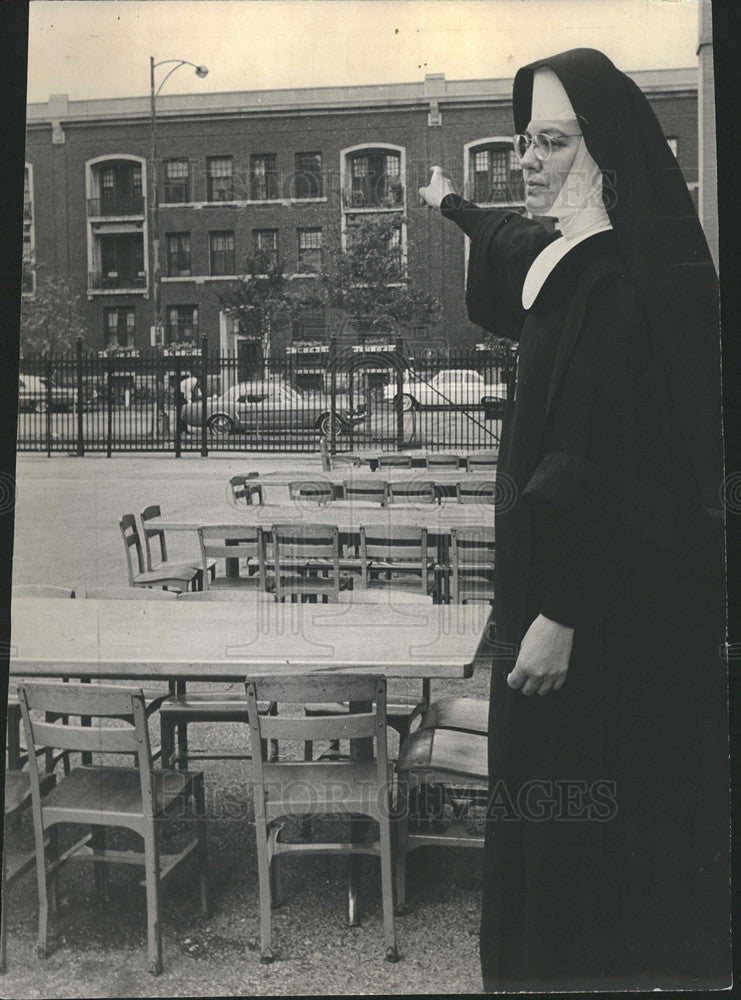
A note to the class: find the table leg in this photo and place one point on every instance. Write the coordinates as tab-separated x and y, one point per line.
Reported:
231	566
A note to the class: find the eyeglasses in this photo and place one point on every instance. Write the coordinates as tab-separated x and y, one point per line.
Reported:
544	144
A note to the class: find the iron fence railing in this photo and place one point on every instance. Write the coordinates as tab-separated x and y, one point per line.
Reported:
393	397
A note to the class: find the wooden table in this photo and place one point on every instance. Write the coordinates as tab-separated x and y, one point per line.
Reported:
168	640
347	515
444	479
171	640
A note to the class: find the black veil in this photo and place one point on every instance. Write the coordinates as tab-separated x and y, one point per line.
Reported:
660	239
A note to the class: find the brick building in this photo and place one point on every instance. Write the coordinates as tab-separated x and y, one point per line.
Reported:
285	170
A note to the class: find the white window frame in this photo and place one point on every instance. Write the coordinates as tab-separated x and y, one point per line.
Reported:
374	210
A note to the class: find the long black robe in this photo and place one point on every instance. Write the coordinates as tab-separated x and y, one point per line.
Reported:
606	862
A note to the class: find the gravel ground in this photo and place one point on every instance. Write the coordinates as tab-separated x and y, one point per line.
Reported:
67	534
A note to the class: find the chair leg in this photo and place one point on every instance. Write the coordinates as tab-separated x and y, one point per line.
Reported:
98	844
199	798
354	869
152	871
41	943
387	887
263	877
54	853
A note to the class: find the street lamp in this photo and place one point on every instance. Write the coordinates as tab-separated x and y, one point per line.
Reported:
201	71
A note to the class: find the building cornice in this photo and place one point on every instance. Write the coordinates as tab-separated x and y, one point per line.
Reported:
320	100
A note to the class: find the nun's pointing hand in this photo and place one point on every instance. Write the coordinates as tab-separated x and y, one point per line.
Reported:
543	659
439	186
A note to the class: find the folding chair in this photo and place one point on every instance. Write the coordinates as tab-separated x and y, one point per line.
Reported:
365	489
315	491
481	491
441	460
479	460
412	491
472	564
228	541
396	556
101	796
358	787
394	460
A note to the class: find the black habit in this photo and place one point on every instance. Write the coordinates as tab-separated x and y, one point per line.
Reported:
606	858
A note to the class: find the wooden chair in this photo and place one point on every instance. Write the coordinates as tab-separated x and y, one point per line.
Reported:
98	797
441	460
314	491
307	562
394	460
471	564
40	590
479	460
244	492
152	533
412	491
358	787
227	541
396	556
438	767
365	489
141	577
481	491
16	864
130	594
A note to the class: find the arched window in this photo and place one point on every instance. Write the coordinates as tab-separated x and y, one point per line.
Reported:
373	178
493	173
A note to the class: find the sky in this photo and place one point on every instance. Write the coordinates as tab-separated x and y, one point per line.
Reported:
101	48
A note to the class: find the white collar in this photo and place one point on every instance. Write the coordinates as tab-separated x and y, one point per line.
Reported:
549	257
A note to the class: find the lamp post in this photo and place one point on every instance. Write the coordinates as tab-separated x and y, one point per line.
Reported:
201	71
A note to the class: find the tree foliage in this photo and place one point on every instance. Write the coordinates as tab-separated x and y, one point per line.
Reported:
368	280
262	298
52	318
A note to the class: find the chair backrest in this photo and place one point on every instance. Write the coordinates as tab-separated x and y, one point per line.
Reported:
131	540
315	490
40	590
367	489
128	594
368	721
412	491
244	489
471	553
150	532
47	707
394	543
482	460
441	460
230	541
476	491
394	459
344	462
297	545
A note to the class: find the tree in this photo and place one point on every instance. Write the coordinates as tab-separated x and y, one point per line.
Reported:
51	319
368	281
262	298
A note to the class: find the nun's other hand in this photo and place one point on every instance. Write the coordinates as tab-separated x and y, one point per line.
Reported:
439	186
543	659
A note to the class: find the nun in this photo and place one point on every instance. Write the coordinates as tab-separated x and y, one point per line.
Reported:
606	864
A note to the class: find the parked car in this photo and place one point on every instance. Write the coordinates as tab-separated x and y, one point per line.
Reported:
449	387
34	394
271	405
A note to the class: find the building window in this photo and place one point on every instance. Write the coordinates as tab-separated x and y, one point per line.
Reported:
182	324
308	181
220	178
496	175
178	255
28	282
221	252
374	180
177	181
265	243
121	262
309	251
310	325
119	328
673	145
263	176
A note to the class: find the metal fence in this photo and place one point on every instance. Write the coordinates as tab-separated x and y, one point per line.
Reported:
356	396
